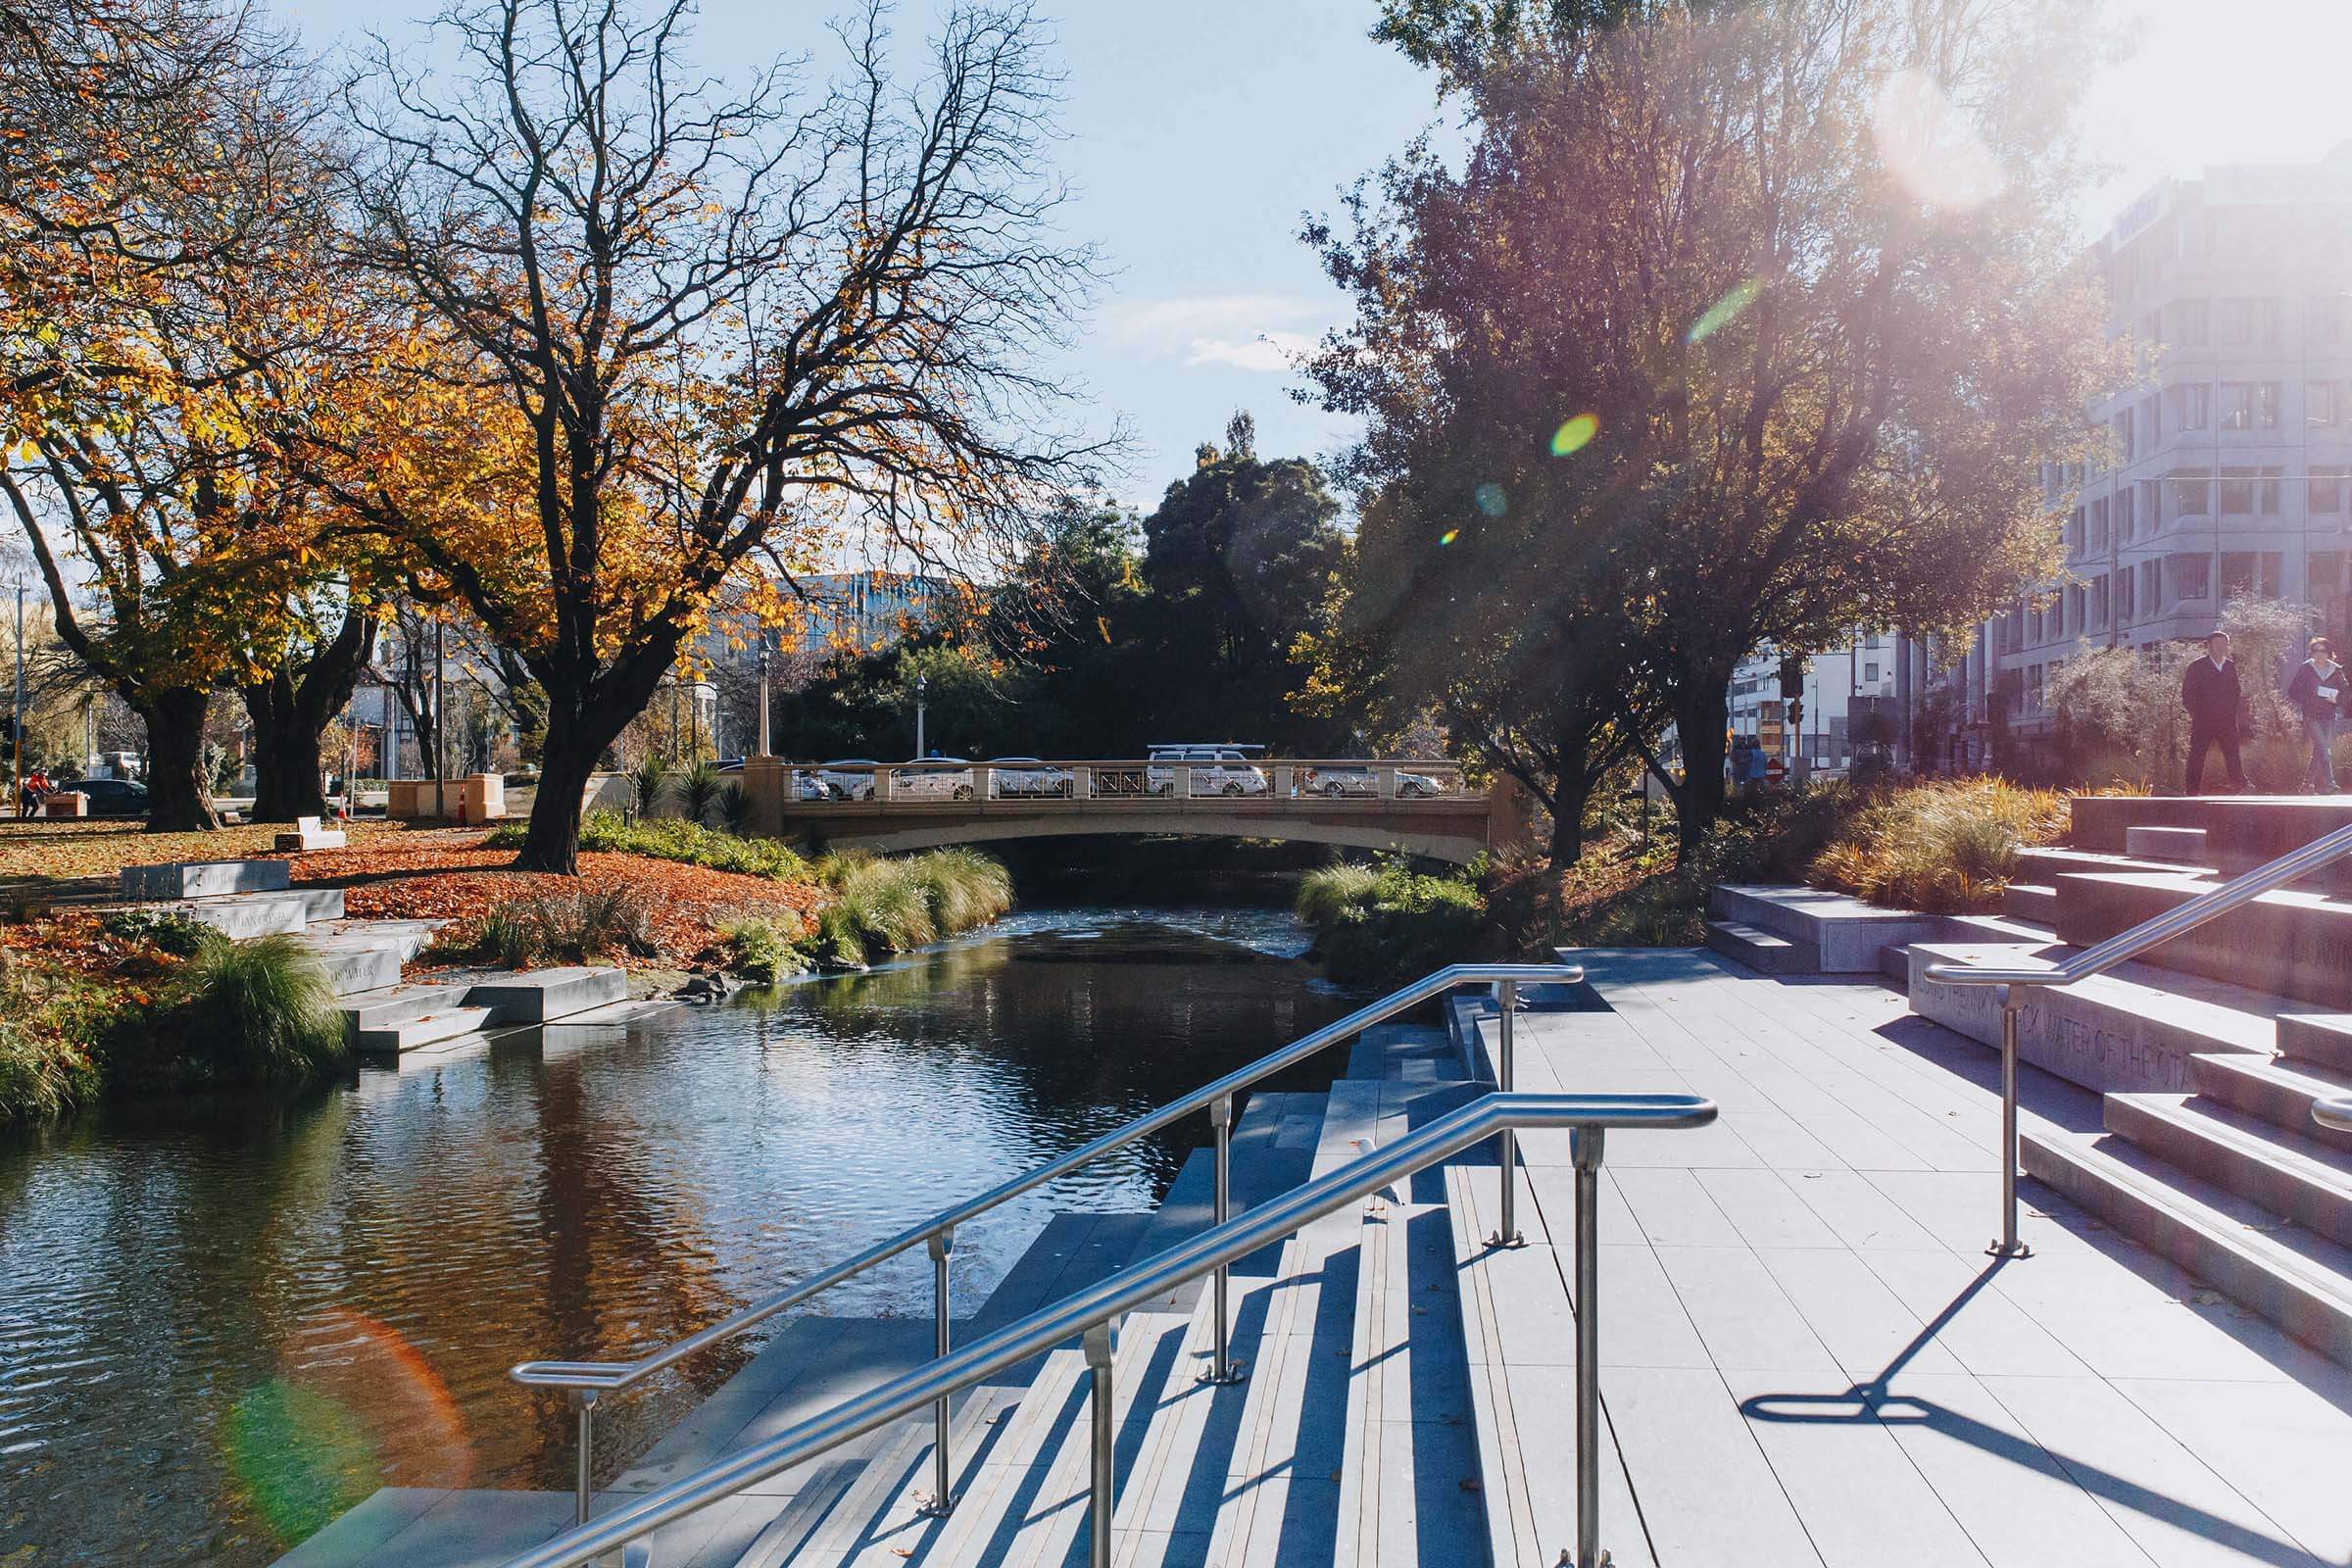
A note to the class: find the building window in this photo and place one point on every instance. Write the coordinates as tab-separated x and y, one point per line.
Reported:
2099	543
2191	325
2192	406
2151	586
2193	576
2235	495
2250	405
1870	672
2319	403
2247	321
2123	612
2122	512
2098	603
2188	494
2327	318
2327	491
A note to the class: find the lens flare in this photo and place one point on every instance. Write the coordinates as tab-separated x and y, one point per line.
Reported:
1726	309
358	1407
1926	143
1573	436
1490	499
1449	536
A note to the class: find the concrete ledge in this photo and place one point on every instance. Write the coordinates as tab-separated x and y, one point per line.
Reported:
204	879
2323	1039
1844	933
547	994
2184	844
1761	951
2297	944
2109	1033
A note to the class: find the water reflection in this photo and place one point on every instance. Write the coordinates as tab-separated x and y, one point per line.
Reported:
220	1320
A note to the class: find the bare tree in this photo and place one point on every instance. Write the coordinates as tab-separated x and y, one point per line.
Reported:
719	328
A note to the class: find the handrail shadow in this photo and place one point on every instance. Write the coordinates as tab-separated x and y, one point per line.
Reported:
1873	1401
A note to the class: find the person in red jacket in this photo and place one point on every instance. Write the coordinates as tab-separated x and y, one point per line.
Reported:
2209	691
2318	692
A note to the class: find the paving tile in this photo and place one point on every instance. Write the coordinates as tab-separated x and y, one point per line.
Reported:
1861	1215
1984	1331
1708	1496
2285	1448
1743	1316
1865	1325
1764	1211
1675	1209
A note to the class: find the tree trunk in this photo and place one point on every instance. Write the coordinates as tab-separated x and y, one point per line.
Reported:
290	712
1571	789
1702	702
179	799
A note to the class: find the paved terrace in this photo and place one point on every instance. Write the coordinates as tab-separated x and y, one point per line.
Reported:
1807	1356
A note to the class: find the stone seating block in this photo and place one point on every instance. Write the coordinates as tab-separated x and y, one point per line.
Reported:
204	879
65	803
310	838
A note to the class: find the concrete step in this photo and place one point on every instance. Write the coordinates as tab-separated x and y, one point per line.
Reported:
425	1029
407	938
2302	1283
2044	864
241	917
2177	846
537	996
2285	1172
1841	933
2291	942
200	879
379	1010
1760	949
2321	1038
2037	901
2281	1094
2134	1029
353	968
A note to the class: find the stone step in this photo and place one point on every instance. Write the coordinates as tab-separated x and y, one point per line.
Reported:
2045	863
539	995
2134	1029
2302	1283
2285	1172
2291	942
2322	1039
424	1029
2281	1094
380	1009
1842	934
2037	901
2179	846
242	916
1760	949
353	968
201	879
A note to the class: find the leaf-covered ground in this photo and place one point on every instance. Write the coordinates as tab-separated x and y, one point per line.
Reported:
387	872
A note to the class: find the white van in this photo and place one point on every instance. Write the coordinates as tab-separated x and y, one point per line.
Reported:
1222	768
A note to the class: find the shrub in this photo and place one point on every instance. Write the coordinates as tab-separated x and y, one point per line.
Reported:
735	808
671	838
509	937
895	906
1946	848
584	923
261	1010
756	949
698	790
1392	923
648	781
49	1026
963	888
165	930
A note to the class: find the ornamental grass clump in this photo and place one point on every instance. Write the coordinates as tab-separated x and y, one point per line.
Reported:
882	905
1375	924
260	1011
1947	848
758	952
698	791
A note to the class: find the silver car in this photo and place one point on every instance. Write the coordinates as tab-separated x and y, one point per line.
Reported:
1339	783
847	778
933	778
1216	771
1027	777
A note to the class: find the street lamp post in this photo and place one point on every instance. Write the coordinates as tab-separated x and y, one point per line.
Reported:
919	752
764	749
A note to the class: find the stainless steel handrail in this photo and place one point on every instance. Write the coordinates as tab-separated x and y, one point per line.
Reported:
1088	1312
589	1381
2098	959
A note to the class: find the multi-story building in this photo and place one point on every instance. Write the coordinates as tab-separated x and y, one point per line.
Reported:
1870	668
2228	467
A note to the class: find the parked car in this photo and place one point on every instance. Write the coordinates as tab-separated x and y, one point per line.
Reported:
113	797
846	779
933	778
1220	769
1027	777
1335	783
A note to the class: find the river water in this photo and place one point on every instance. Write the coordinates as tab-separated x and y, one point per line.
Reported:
222	1322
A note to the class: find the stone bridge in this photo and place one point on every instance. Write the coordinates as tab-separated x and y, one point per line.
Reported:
1410	807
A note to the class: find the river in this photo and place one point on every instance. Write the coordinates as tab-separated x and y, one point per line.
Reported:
221	1321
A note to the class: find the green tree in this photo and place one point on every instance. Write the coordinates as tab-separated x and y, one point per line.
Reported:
1785	294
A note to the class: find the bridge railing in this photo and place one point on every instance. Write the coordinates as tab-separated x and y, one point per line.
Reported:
815	788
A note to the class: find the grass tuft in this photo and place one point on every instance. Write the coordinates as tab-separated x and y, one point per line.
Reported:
1947	848
262	1010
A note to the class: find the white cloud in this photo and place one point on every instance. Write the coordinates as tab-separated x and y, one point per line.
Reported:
1269	351
1242	331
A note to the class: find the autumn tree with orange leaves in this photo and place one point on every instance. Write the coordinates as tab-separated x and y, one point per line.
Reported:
722	328
169	304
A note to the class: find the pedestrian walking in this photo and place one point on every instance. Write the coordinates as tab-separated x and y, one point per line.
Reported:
2318	692
2209	691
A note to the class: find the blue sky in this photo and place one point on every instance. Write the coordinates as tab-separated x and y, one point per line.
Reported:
1199	131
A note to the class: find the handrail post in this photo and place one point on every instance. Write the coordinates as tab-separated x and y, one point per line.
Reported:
1584	1150
1507	1234
583	1400
2008	1246
1222	1368
943	1496
1102	1500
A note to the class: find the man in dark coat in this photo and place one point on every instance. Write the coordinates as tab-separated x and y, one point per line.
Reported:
2209	691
